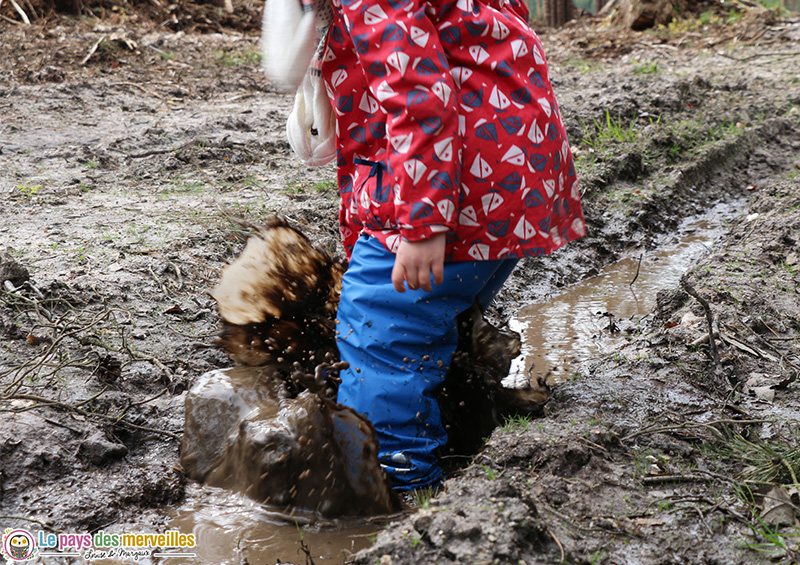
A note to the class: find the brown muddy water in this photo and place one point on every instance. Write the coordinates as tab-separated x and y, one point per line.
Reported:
590	318
230	527
574	326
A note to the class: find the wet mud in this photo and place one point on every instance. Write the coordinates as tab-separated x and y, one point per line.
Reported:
122	179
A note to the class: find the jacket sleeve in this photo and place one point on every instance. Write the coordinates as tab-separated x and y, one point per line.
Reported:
407	72
520	7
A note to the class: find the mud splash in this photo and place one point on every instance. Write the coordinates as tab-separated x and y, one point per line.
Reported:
591	318
245	432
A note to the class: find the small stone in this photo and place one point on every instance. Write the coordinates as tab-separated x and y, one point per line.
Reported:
97	449
12	271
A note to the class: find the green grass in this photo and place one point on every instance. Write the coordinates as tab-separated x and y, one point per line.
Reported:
645	68
517	423
235	58
296	188
28	190
609	132
583	65
422	497
780	547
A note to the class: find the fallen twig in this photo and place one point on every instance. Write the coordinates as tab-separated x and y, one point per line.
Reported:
29	368
151	399
655	479
88	400
35	521
59	424
92	50
180	277
638	267
43	402
558	543
144	357
752	350
160	151
690	425
690	290
756	55
158	281
11	21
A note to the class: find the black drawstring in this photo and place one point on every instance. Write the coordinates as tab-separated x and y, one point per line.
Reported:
376	169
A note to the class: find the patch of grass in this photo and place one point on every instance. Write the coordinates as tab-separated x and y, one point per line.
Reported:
776	6
325	185
775	462
642	462
676	140
249	56
293	189
775	544
733	17
645	68
707	17
608	132
421	497
296	188
28	190
184	187
583	65
517	423
490	472
597	557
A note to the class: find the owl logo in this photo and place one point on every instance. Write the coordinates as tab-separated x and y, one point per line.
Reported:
18	545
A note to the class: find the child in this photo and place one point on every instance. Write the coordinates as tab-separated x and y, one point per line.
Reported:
453	164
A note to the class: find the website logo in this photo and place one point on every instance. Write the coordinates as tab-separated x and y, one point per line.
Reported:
18	545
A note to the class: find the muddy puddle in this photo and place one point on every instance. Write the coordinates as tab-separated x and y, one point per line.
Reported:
591	318
230	528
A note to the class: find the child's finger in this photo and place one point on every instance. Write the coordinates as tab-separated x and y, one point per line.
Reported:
438	272
425	280
398	277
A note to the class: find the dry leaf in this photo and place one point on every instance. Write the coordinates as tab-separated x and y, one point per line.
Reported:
777	508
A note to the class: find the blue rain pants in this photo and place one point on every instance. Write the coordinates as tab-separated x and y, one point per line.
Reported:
399	347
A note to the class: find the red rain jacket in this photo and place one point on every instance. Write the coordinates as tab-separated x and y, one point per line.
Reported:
447	122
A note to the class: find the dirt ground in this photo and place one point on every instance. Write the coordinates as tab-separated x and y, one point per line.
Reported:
129	146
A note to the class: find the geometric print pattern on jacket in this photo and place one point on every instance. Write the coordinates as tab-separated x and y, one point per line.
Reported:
446	122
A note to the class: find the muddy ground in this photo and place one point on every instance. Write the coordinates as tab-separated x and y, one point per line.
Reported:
129	149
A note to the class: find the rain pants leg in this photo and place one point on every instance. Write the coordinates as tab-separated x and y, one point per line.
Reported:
399	347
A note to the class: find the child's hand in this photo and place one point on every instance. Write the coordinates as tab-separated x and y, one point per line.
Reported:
415	262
